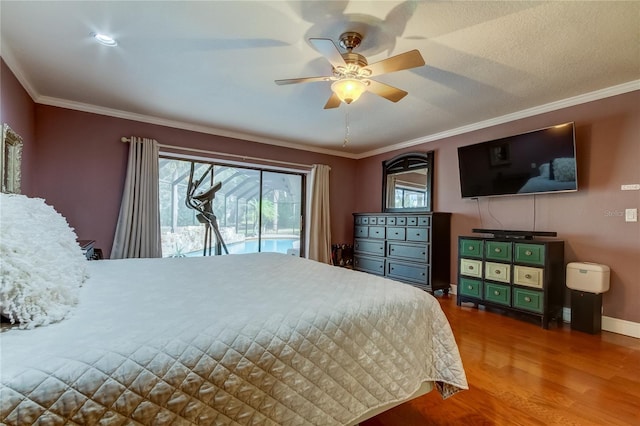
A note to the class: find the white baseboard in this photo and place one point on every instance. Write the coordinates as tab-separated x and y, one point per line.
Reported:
619	326
614	325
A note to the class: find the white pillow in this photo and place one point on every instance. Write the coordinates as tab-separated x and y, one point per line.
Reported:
41	264
544	171
564	169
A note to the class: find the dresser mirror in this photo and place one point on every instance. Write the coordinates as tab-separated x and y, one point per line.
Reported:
407	181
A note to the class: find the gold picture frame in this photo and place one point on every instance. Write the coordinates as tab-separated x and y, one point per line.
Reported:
10	161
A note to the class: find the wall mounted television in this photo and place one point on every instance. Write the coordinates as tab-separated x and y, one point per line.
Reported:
540	161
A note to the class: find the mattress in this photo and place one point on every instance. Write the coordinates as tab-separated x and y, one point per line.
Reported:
251	339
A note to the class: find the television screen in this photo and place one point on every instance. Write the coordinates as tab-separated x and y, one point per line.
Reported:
535	162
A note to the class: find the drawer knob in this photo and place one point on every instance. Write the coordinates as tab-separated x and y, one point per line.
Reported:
496	292
470	248
528	253
497	250
528	276
470	287
470	267
497	271
527	299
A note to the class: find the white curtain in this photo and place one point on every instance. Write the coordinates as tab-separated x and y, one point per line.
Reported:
320	223
138	229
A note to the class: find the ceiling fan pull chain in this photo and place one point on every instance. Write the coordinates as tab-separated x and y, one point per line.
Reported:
346	126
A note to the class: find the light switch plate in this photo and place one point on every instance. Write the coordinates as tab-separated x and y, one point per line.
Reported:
630	187
631	215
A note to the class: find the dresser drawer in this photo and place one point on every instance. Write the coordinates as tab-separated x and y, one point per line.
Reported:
396	233
408	251
418	234
376	232
529	300
497	272
498	250
497	293
369	247
401	221
470	287
361	232
470	248
424	221
528	276
377	220
412	221
371	265
471	268
407	271
530	253
391	221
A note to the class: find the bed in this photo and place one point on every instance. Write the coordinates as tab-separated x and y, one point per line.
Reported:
252	339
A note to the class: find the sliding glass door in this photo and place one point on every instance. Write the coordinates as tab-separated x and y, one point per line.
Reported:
256	210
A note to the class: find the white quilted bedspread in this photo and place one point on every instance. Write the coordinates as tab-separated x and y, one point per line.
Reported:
255	339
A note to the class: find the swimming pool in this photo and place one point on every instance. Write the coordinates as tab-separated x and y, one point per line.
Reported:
277	245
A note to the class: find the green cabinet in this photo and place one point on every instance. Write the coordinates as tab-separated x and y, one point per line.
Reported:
409	247
516	275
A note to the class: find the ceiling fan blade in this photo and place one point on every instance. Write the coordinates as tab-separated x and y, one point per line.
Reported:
403	61
388	92
301	80
329	50
333	102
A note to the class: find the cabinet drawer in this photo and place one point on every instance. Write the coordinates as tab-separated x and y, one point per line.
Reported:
470	248
498	250
376	232
413	272
369	264
418	234
527	276
401	221
412	221
424	221
528	299
470	267
497	293
470	287
497	272
396	233
408	251
362	232
530	253
391	221
369	246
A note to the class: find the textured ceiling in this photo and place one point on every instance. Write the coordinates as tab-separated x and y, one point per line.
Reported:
211	66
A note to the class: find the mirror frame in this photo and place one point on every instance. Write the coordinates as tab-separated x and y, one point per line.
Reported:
10	160
404	163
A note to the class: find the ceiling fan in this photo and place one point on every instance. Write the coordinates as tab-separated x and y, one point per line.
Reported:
352	74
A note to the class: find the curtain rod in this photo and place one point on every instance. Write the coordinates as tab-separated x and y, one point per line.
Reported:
224	154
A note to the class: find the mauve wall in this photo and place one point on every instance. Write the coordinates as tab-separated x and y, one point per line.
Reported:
18	111
590	221
80	167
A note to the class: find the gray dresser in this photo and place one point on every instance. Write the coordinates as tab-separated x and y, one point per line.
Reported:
409	247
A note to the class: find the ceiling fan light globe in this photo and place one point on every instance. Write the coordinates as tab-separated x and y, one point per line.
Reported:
348	90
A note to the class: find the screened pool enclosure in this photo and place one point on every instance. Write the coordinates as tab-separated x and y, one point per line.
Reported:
256	210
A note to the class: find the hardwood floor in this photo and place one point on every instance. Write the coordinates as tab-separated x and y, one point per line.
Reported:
521	374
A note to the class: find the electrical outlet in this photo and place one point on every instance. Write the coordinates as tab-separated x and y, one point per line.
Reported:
631	215
630	187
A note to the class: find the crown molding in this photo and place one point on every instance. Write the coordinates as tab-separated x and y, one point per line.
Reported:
79	106
13	65
530	112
